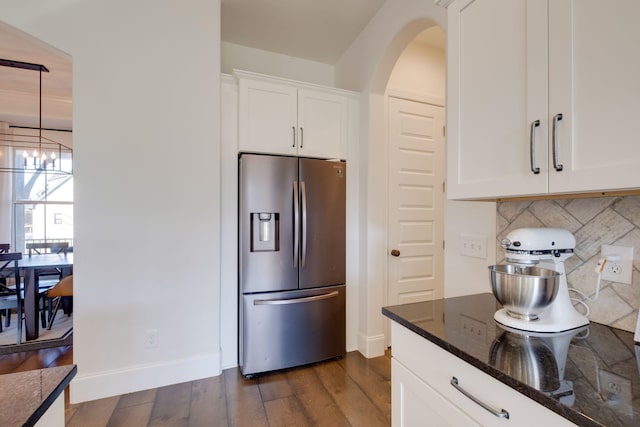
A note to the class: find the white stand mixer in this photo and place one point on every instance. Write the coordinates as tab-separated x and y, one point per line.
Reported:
545	248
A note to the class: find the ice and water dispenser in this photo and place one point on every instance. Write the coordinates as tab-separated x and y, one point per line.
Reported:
265	231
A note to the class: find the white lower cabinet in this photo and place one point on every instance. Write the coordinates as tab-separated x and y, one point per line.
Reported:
415	403
423	394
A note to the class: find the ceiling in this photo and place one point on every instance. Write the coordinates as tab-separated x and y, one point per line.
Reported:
316	30
24	85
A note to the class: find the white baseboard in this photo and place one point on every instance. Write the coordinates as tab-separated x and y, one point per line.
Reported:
371	346
116	382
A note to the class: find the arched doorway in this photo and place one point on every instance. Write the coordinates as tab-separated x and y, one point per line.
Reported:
414	109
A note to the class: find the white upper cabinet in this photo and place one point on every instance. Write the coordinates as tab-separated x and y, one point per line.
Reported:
282	117
520	68
267	117
594	82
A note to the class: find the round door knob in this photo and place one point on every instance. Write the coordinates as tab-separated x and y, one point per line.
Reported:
395	252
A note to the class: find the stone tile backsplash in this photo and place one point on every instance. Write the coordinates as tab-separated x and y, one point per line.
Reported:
594	222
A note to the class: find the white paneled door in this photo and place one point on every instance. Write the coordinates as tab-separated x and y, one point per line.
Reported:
416	201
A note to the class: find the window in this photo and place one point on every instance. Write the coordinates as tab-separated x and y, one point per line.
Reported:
43	206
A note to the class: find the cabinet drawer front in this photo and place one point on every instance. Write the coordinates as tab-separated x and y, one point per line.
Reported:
437	367
414	401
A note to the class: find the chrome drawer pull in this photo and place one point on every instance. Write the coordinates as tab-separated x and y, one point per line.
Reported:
293	128
500	414
532	147
554	139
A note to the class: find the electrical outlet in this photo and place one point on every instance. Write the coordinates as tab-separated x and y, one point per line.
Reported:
616	390
474	246
619	270
151	338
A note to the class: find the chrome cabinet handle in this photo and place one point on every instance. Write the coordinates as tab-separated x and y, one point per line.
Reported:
301	137
293	128
554	139
296	224
304	224
295	300
532	146
500	414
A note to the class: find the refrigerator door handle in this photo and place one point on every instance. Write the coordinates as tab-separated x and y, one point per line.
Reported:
304	224
296	224
295	300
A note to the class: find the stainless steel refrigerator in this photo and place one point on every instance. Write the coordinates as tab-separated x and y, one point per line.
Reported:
292	261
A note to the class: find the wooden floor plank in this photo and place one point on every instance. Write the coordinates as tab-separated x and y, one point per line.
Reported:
65	357
138	398
273	386
285	412
9	362
208	403
315	401
352	401
376	386
171	406
128	416
244	403
95	413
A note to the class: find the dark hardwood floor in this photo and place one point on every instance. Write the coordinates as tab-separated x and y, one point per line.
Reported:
351	391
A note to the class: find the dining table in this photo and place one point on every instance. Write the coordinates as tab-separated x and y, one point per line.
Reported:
29	267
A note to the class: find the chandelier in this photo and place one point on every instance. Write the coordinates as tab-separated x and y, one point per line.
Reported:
28	152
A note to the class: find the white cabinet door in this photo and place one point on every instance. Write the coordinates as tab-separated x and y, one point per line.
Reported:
497	85
285	119
322	123
594	83
414	403
267	117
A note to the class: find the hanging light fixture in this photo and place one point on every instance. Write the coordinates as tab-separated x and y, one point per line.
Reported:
35	157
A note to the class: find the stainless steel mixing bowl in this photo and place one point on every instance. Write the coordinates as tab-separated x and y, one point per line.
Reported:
526	358
524	292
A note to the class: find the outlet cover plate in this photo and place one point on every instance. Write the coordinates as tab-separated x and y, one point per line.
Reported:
618	271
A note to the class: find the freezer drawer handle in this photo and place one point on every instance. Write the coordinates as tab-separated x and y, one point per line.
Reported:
295	300
500	414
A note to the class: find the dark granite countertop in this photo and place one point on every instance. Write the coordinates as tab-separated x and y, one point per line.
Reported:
26	396
589	376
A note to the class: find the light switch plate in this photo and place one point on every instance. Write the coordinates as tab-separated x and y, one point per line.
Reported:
473	246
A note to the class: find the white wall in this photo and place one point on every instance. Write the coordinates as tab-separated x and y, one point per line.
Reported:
146	111
366	66
235	56
420	71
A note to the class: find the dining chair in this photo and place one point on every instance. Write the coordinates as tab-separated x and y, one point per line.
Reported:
4	248
52	247
50	276
64	288
11	299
